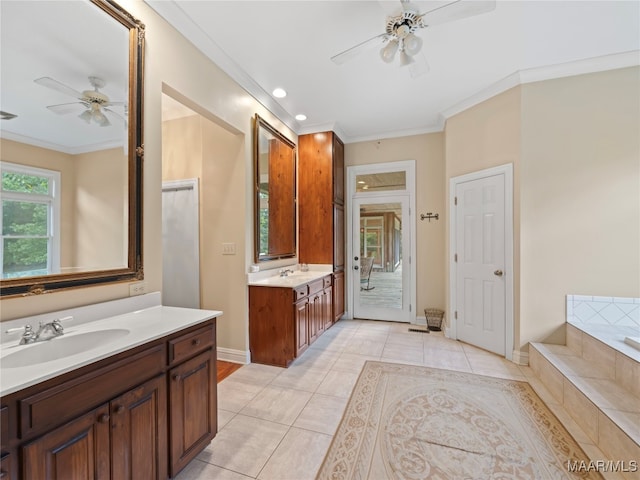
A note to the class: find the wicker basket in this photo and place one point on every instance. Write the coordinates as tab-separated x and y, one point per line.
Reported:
434	318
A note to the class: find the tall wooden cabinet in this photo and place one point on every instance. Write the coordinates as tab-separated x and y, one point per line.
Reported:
321	207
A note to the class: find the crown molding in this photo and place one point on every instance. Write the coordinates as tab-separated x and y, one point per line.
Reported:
95	147
182	22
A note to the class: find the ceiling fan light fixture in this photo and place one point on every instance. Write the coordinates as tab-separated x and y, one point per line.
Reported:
412	44
405	59
86	116
388	52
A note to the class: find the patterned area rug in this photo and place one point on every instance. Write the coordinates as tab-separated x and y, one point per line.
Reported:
407	422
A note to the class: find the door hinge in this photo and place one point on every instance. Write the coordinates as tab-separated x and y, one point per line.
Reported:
410	308
455	314
455	257
455	200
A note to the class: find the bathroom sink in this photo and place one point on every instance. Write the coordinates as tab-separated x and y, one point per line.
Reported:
60	347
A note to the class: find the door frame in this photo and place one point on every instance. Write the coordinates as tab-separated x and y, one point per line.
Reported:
507	171
409	166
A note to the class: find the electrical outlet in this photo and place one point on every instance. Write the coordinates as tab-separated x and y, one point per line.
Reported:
137	288
228	248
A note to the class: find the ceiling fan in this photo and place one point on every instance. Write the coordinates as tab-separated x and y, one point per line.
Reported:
94	102
400	32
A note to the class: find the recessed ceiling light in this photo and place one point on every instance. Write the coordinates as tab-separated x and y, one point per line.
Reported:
301	117
279	93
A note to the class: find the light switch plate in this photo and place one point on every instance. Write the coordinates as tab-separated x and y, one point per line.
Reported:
228	248
137	288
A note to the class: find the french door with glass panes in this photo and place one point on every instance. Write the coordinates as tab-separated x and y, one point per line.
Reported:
381	252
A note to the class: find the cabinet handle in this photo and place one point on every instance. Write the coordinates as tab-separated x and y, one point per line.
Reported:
120	409
176	377
104	418
195	342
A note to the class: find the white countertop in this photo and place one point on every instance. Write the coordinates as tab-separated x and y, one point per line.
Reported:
144	326
293	280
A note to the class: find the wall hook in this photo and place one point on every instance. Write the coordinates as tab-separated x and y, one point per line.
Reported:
429	216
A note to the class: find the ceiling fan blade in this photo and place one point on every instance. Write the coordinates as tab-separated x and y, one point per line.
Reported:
352	52
113	104
419	66
56	85
457	10
65	108
116	114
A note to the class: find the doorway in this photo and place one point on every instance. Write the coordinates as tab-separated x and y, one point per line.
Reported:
481	245
180	244
381	241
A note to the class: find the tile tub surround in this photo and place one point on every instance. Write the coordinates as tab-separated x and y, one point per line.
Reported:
144	325
289	441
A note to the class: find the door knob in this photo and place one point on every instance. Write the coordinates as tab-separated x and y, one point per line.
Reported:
498	273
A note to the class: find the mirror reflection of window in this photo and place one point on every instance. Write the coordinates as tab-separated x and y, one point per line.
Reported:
30	214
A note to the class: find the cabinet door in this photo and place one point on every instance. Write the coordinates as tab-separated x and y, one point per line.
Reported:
338	170
315	316
338	238
77	450
139	432
327	308
338	295
193	408
302	326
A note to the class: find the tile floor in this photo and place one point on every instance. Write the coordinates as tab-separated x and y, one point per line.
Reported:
277	423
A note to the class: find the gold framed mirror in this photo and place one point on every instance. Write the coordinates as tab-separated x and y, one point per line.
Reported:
275	193
71	140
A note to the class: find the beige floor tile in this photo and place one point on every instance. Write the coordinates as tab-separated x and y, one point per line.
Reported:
224	417
244	445
199	470
331	343
352	362
338	384
406	339
322	414
317	359
367	347
300	378
298	457
375	326
233	396
255	374
448	360
493	365
277	404
403	353
439	342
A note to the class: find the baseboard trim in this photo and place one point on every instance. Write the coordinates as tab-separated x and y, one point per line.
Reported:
520	358
234	356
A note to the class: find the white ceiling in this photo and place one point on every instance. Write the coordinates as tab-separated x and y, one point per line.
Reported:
267	44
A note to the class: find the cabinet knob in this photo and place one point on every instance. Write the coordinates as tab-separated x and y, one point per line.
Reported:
104	418
176	377
119	409
195	342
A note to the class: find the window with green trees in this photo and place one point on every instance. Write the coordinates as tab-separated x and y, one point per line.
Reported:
29	206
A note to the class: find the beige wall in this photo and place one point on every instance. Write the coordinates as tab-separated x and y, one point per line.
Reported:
428	152
487	135
580	195
195	147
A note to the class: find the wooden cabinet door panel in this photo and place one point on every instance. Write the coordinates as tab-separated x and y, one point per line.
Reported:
338	170
302	326
338	238
193	408
338	295
327	308
78	450
139	432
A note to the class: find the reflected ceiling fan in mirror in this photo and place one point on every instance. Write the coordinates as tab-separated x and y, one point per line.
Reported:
94	103
400	32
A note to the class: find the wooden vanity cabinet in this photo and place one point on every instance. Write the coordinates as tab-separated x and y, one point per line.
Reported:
321	207
284	321
129	416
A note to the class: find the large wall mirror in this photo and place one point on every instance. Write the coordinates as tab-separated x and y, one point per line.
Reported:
275	198
71	145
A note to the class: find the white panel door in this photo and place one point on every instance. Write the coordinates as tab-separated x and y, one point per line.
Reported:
480	275
180	244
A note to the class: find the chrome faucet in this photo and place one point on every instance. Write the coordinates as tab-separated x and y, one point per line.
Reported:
46	331
284	272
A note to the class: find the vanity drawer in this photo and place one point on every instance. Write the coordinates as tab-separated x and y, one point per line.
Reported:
4	426
63	402
316	286
327	281
300	292
188	345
